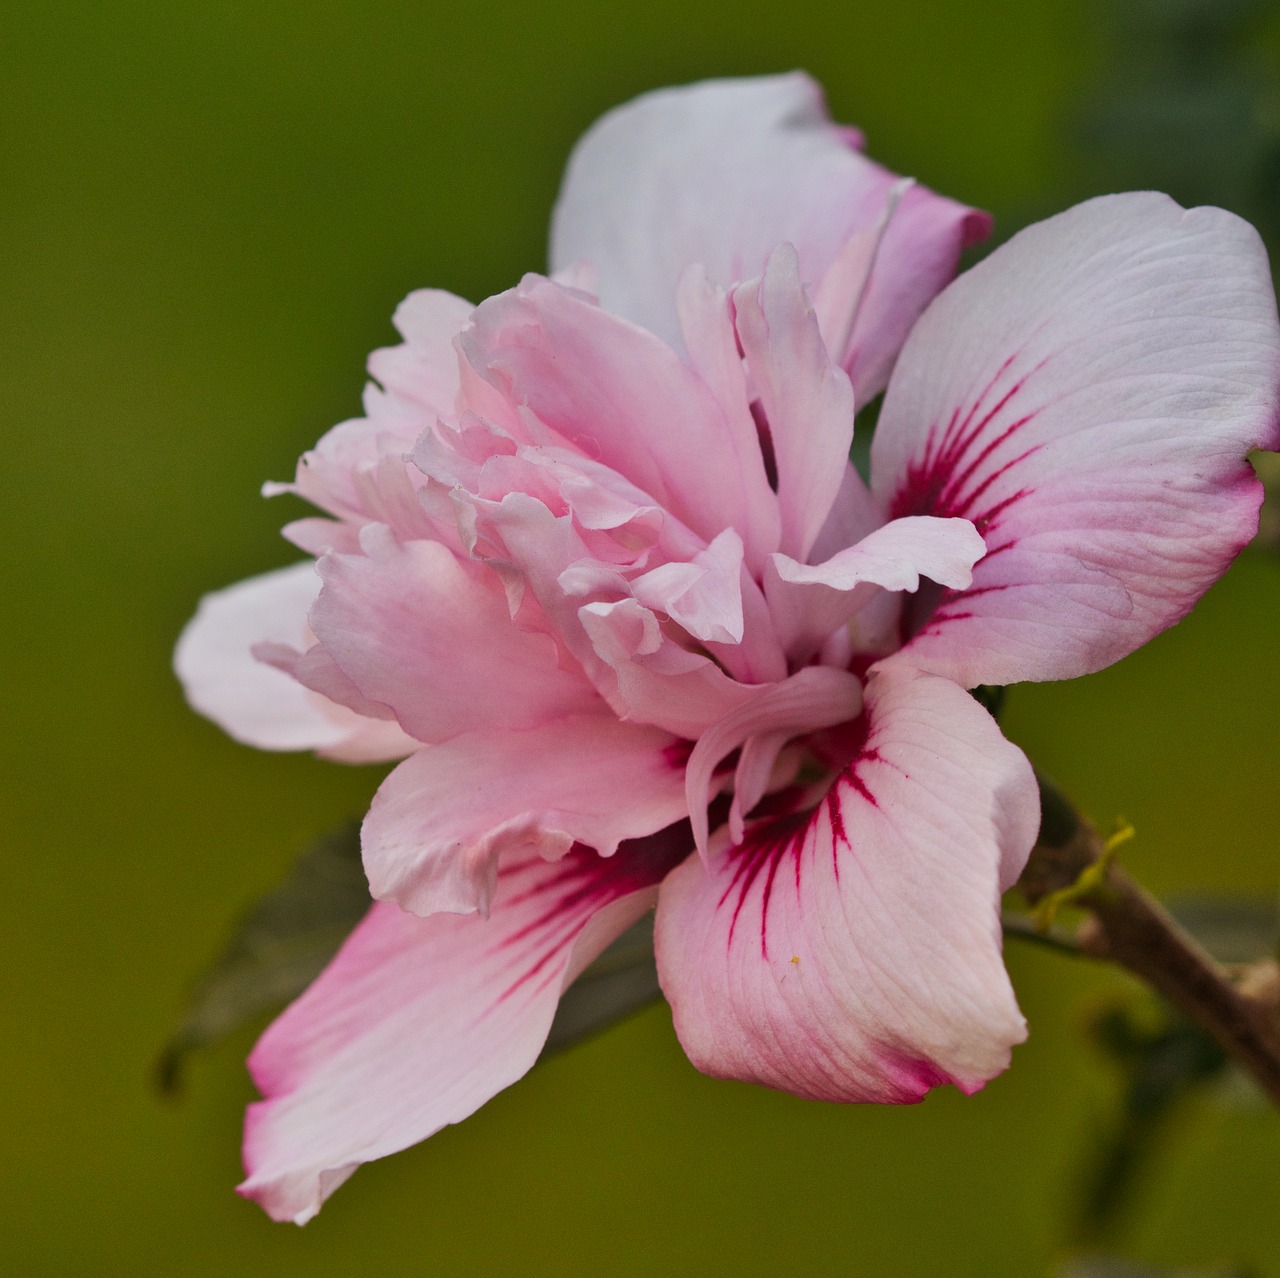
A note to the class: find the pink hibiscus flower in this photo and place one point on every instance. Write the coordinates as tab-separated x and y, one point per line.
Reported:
597	567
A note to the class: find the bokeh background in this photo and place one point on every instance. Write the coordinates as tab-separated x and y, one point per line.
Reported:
207	215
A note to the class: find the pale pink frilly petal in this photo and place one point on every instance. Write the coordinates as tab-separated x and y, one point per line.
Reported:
719	174
1086	396
853	952
418	629
423	370
442	819
654	680
806	401
612	390
712	351
704	595
257	704
357	470
810	601
637	669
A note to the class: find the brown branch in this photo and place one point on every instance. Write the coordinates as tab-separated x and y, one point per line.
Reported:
1239	1007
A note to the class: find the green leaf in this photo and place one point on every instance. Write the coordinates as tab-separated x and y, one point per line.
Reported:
275	951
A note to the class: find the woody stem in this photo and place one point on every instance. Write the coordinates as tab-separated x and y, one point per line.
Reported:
1129	927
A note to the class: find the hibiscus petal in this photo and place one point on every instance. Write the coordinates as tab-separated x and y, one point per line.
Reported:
1086	396
809	601
548	555
839	297
915	258
359	473
371	741
546	567
703	597
618	394
813	698
357	470
853	515
419	630
326	474
417	1022
256	703
852	952
424	368
441	820
807	400
655	680
711	347
720	173
316	670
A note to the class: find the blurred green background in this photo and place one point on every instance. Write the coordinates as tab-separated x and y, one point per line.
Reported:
207	215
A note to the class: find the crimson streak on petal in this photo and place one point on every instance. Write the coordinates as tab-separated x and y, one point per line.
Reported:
763	850
419	1021
935	484
581	884
852	951
769	843
1144	337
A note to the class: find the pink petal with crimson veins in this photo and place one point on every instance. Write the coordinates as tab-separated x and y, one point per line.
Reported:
417	1022
1086	396
430	635
720	173
440	821
255	703
813	698
852	952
